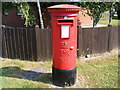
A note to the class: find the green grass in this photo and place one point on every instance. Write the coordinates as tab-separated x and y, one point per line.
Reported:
12	74
114	22
100	73
9	82
24	64
105	20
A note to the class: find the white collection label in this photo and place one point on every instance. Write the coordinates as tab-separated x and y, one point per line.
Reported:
65	31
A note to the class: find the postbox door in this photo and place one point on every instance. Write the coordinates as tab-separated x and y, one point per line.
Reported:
64	44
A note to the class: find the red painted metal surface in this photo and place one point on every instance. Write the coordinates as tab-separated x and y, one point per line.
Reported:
64	49
64	6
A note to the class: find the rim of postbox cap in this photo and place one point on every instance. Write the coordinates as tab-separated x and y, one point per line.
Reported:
66	7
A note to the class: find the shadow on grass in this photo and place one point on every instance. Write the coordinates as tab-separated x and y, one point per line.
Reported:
19	73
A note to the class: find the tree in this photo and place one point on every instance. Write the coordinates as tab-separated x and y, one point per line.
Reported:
29	15
23	7
40	15
6	6
94	9
117	9
110	6
26	9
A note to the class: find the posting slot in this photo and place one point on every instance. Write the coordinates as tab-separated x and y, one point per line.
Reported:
65	21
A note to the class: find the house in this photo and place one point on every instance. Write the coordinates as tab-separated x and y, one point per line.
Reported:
13	18
84	19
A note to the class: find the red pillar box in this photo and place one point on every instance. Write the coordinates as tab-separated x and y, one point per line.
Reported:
64	43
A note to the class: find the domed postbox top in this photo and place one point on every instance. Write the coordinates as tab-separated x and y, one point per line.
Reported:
64	7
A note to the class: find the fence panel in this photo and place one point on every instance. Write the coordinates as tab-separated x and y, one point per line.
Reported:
36	44
4	52
21	51
13	42
43	39
8	42
40	43
79	41
86	41
113	38
37	32
33	42
0	41
46	34
119	39
100	40
50	44
29	44
17	43
43	43
24	43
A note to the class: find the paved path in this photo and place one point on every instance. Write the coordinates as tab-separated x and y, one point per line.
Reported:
34	73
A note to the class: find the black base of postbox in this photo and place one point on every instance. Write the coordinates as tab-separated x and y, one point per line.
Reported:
64	77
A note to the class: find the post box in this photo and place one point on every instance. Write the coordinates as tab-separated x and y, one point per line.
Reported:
64	43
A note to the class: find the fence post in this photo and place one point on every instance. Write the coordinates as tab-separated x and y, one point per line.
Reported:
79	41
109	39
37	41
0	29
0	41
92	37
119	40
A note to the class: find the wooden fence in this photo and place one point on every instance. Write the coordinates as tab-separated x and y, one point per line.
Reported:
0	41
97	40
35	44
19	43
43	44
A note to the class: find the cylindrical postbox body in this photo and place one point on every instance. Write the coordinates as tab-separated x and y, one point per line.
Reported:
64	43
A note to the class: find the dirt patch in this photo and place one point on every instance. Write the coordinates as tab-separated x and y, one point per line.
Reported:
80	83
98	56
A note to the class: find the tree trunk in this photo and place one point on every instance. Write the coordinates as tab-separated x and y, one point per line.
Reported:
110	17
40	15
118	13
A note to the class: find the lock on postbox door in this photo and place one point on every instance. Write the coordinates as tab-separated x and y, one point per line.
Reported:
64	43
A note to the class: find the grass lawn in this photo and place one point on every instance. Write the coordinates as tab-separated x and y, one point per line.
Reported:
98	73
114	22
12	74
101	72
